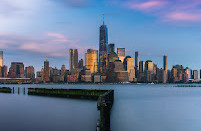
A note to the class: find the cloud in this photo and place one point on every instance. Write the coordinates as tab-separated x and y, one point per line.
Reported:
168	10
74	3
182	16
51	44
7	7
148	5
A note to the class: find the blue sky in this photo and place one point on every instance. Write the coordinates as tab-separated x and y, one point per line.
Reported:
33	30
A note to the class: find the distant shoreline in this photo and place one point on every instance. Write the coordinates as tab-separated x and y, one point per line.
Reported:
100	83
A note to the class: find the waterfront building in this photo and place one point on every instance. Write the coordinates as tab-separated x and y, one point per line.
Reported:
188	72
87	77
46	74
16	70
130	68
63	70
73	76
200	74
148	76
4	71
97	78
103	48
122	76
174	74
1	58
29	72
121	54
91	60
141	77
195	74
162	76
57	75
141	66
178	74
73	59
165	63
39	74
136	64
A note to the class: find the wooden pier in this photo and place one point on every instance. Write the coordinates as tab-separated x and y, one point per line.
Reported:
105	101
5	90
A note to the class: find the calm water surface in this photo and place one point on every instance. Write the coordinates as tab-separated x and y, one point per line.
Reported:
136	108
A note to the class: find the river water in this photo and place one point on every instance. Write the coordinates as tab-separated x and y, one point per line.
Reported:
136	108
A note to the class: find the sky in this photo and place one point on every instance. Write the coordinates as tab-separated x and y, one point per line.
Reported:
32	31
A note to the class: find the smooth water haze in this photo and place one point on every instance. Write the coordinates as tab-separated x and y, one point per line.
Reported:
136	108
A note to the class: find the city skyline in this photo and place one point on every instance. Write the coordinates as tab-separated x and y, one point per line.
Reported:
134	29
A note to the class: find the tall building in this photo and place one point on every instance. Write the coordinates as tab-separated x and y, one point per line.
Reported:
136	64
188	72
195	74
142	66
1	58
91	60
16	70
80	64
4	71
29	72
162	76
118	66
111	48
200	74
112	56
121	54
46	74
73	59
130	68
149	66
103	48
165	63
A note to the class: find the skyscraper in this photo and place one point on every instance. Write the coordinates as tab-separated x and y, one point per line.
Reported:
73	59
195	74
200	74
149	66
165	63
4	71
16	70
46	74
111	48
130	68
103	48
142	66
121	54
91	60
80	64
1	58
29	72
136	64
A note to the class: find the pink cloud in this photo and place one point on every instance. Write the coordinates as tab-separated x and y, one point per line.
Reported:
168	10
56	35
146	5
51	44
183	16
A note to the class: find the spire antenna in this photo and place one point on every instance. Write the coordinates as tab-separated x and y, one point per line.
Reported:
103	18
